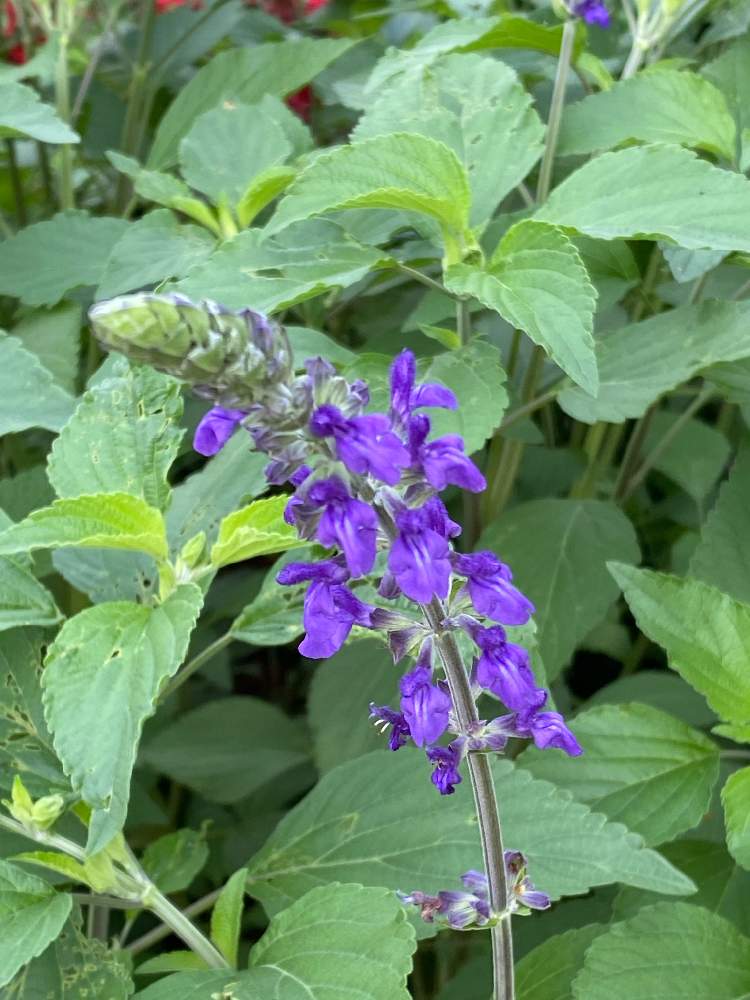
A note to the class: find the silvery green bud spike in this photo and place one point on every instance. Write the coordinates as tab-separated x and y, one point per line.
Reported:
232	358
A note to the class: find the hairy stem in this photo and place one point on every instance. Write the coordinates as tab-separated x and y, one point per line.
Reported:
66	193
556	110
181	925
43	837
165	929
195	664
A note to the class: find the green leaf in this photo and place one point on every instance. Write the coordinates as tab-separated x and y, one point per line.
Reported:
408	172
174	860
512	31
226	916
122	438
665	105
722	556
32	914
735	797
361	673
622	195
536	280
171	961
640	767
104	520
43	262
703	956
109	574
64	865
244	74
547	972
257	530
228	748
23	600
307	343
274	616
705	633
377	819
640	362
694	458
262	190
152	250
250	142
31	397
54	336
23	116
558	550
102	677
476	106
151	185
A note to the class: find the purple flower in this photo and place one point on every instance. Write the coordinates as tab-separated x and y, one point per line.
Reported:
330	608
456	909
425	706
504	669
446	760
443	461
592	12
548	729
364	444
215	429
384	717
351	524
522	895
490	589
419	557
407	396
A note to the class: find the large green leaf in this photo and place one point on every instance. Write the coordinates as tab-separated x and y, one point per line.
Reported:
379	820
480	110
102	677
23	116
243	74
640	767
228	748
32	914
694	458
274	616
103	520
54	336
31	397
256	530
409	172
669	950
640	362
735	797
705	633
122	438
23	600
547	972
722	556
44	261
174	860
662	106
558	551
622	194
536	280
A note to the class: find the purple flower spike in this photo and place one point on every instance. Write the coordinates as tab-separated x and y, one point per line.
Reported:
425	706
215	429
592	12
446	760
407	396
419	557
384	717
504	669
490	589
364	444
351	524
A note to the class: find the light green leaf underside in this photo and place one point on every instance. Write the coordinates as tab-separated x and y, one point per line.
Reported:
23	600
24	116
31	397
256	530
735	797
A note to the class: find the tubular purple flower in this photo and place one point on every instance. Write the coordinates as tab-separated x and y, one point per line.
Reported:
522	895
419	557
446	775
215	429
490	589
443	461
407	396
364	444
351	524
424	705
384	717
504	668
548	729
592	12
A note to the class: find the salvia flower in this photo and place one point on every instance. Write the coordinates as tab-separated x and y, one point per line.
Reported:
592	12
446	774
385	717
407	396
215	429
364	444
443	461
420	556
488	582
522	896
504	669
348	523
424	705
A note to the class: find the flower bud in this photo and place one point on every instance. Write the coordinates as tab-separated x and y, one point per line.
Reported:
39	815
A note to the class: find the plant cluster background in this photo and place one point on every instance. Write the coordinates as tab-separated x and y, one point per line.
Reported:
547	205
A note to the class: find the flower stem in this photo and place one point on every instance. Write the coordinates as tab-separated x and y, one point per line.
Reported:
555	111
181	925
164	929
66	193
195	664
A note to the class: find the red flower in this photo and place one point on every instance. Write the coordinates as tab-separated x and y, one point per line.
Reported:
162	6
17	54
312	5
10	19
301	102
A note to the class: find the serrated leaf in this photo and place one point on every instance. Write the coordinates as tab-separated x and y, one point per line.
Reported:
665	105
103	520
262	190
43	262
108	574
705	633
102	676
274	616
536	280
735	797
54	336
513	31
378	819
640	362
174	860
23	600
706	957
24	116
31	397
246	75
123	437
547	972
257	530
558	551
408	172
226	916
640	767
32	914
622	195
152	185
694	458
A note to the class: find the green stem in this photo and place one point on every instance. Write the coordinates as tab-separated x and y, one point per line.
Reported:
110	902
424	279
164	929
44	837
65	191
534	404
632	452
16	182
463	320
195	664
555	111
180	924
